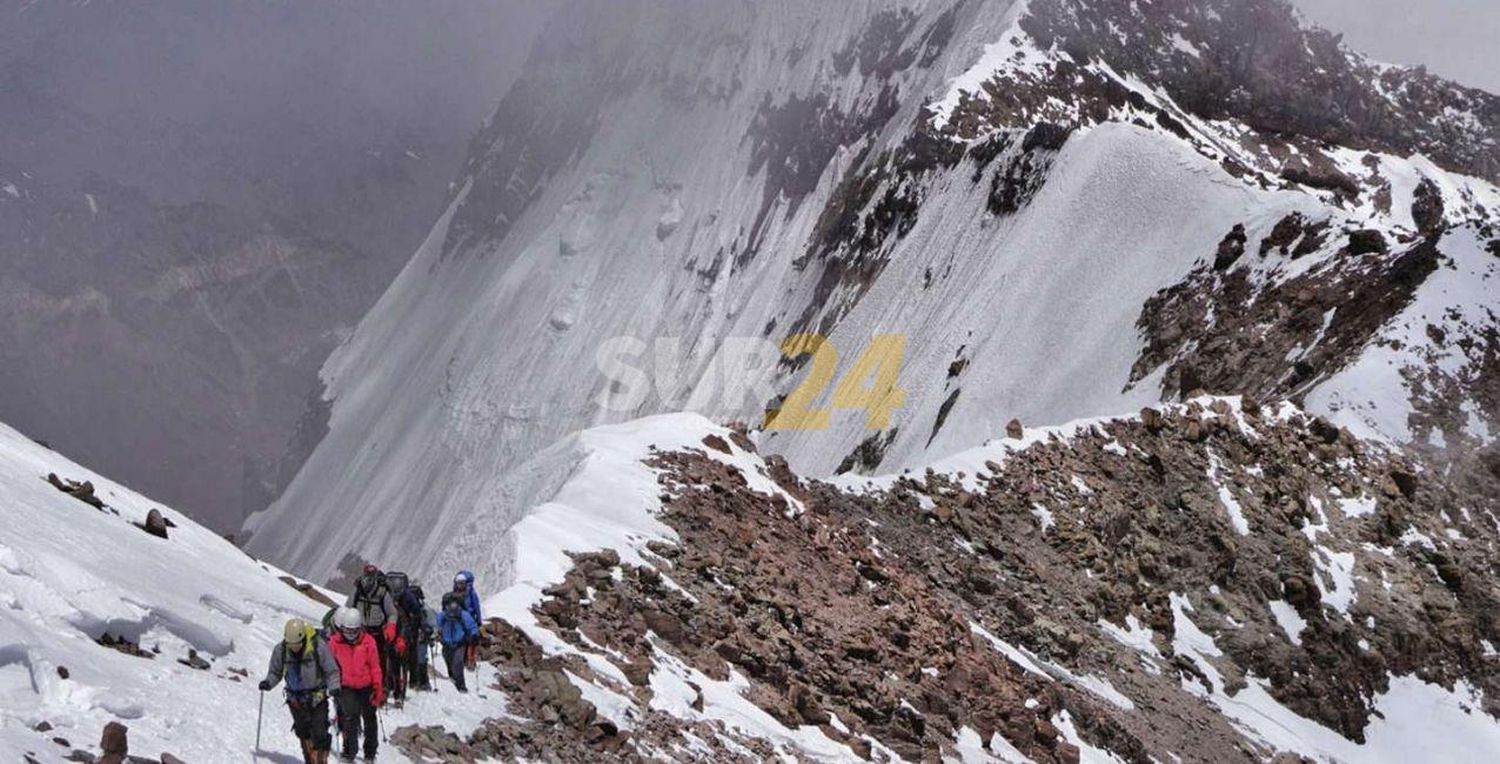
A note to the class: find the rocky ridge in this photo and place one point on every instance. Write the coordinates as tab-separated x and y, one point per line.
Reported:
1114	586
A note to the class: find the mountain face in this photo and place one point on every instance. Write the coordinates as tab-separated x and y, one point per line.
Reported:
973	235
904	229
1061	209
197	202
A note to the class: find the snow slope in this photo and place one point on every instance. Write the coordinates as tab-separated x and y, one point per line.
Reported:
69	573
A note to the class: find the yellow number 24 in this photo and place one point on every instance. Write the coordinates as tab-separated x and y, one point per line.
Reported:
870	385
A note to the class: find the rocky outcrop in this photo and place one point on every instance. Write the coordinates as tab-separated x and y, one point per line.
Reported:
1067	585
80	490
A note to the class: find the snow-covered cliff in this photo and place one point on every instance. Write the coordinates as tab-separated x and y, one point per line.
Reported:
1062	208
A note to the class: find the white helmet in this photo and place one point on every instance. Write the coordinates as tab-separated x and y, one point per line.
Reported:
348	618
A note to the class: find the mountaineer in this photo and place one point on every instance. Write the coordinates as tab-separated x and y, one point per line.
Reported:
362	688
377	610
312	676
459	633
463	586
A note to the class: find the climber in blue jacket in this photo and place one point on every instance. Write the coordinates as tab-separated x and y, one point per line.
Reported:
459	633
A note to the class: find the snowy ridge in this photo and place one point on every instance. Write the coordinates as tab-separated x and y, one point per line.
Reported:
70	573
611	498
609	501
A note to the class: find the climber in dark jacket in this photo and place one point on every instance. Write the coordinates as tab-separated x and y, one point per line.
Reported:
372	598
312	676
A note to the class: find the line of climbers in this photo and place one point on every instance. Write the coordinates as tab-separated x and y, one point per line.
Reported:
377	643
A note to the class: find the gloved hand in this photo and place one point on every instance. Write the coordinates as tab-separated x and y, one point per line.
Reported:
379	696
265	684
390	632
400	646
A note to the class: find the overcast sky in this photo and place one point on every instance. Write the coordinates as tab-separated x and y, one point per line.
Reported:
1457	39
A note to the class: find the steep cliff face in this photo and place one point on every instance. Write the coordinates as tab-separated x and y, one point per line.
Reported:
1063	209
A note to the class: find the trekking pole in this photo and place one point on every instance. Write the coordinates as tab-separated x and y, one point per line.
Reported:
259	714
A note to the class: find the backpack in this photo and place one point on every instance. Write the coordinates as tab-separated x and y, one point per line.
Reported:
311	639
396	584
369	593
410	605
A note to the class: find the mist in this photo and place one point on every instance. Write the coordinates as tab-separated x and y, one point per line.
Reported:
1452	38
210	195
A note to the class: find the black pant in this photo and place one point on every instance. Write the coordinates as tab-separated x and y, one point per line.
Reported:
396	674
409	667
453	658
387	652
310	719
356	712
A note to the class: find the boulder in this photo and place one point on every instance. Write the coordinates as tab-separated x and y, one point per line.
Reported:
1427	207
1152	419
1366	241
114	743
1230	248
1406	483
1014	430
193	660
1298	592
1068	753
155	524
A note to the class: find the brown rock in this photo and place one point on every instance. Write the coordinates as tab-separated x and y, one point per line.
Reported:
1014	430
638	673
807	705
1045	731
1298	592
1067	753
1406	482
666	625
1324	430
1366	241
155	524
1152	419
115	739
1250	406
193	660
1195	431
861	748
